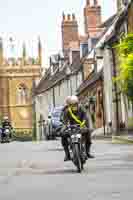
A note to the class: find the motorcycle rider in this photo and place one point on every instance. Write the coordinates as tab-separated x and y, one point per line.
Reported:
75	114
67	102
63	119
6	123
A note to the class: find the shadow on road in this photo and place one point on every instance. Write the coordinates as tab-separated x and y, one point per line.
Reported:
60	172
20	172
55	149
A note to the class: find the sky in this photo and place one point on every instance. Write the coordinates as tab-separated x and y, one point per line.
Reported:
25	20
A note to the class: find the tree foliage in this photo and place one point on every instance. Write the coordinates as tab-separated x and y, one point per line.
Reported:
125	78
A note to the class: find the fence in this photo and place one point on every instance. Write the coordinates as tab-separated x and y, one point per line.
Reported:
22	134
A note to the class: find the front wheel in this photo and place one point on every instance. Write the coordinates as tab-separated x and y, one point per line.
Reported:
77	158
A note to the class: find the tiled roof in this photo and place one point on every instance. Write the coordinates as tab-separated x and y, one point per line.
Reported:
50	81
110	32
108	22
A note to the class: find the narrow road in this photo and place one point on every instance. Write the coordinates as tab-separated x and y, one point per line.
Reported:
36	171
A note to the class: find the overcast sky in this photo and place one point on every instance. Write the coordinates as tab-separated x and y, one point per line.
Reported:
27	19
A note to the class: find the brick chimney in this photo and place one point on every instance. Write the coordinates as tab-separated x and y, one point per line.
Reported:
92	17
69	32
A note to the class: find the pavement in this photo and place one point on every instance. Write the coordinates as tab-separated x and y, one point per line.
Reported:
36	171
122	138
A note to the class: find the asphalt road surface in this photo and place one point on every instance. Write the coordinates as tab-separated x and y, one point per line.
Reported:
36	171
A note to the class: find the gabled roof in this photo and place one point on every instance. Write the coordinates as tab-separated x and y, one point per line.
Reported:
111	31
108	22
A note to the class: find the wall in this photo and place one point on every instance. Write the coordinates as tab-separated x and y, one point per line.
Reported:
21	115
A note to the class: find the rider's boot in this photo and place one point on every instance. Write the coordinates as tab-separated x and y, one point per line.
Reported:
89	155
67	154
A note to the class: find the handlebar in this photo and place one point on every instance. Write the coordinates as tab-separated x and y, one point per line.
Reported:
73	126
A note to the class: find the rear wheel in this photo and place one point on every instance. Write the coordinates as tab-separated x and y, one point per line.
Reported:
77	158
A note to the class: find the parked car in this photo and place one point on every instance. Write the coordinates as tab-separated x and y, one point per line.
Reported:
53	124
56	123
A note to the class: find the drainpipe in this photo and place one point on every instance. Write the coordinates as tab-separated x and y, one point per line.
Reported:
53	97
116	93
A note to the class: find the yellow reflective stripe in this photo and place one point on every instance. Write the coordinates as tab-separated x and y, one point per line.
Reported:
82	124
74	116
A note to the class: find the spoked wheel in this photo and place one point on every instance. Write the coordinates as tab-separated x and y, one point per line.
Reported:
78	161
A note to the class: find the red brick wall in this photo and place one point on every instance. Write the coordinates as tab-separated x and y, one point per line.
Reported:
69	31
92	18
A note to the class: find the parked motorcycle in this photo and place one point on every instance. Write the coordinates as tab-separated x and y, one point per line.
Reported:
6	135
76	146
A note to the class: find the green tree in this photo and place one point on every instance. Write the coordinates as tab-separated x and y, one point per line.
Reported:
125	77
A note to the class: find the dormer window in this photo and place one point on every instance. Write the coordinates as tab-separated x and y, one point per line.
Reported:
68	71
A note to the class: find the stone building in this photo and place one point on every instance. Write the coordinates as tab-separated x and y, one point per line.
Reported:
16	79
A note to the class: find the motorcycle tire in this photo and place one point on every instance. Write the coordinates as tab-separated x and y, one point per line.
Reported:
78	161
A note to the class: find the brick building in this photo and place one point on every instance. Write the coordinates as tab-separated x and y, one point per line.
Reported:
92	18
70	33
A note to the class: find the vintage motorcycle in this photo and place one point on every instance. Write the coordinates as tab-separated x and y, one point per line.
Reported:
76	146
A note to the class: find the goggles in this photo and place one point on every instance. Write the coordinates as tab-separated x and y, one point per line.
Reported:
74	107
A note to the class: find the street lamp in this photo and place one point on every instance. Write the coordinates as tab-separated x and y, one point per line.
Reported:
91	101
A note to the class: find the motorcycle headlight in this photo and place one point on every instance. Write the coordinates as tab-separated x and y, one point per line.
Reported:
72	136
78	136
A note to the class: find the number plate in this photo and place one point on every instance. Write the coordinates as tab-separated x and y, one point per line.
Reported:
75	139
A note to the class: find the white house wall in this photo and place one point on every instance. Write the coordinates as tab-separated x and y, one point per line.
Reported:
73	81
79	79
56	93
69	87
100	63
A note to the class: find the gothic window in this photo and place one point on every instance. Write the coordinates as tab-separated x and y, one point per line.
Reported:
22	95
